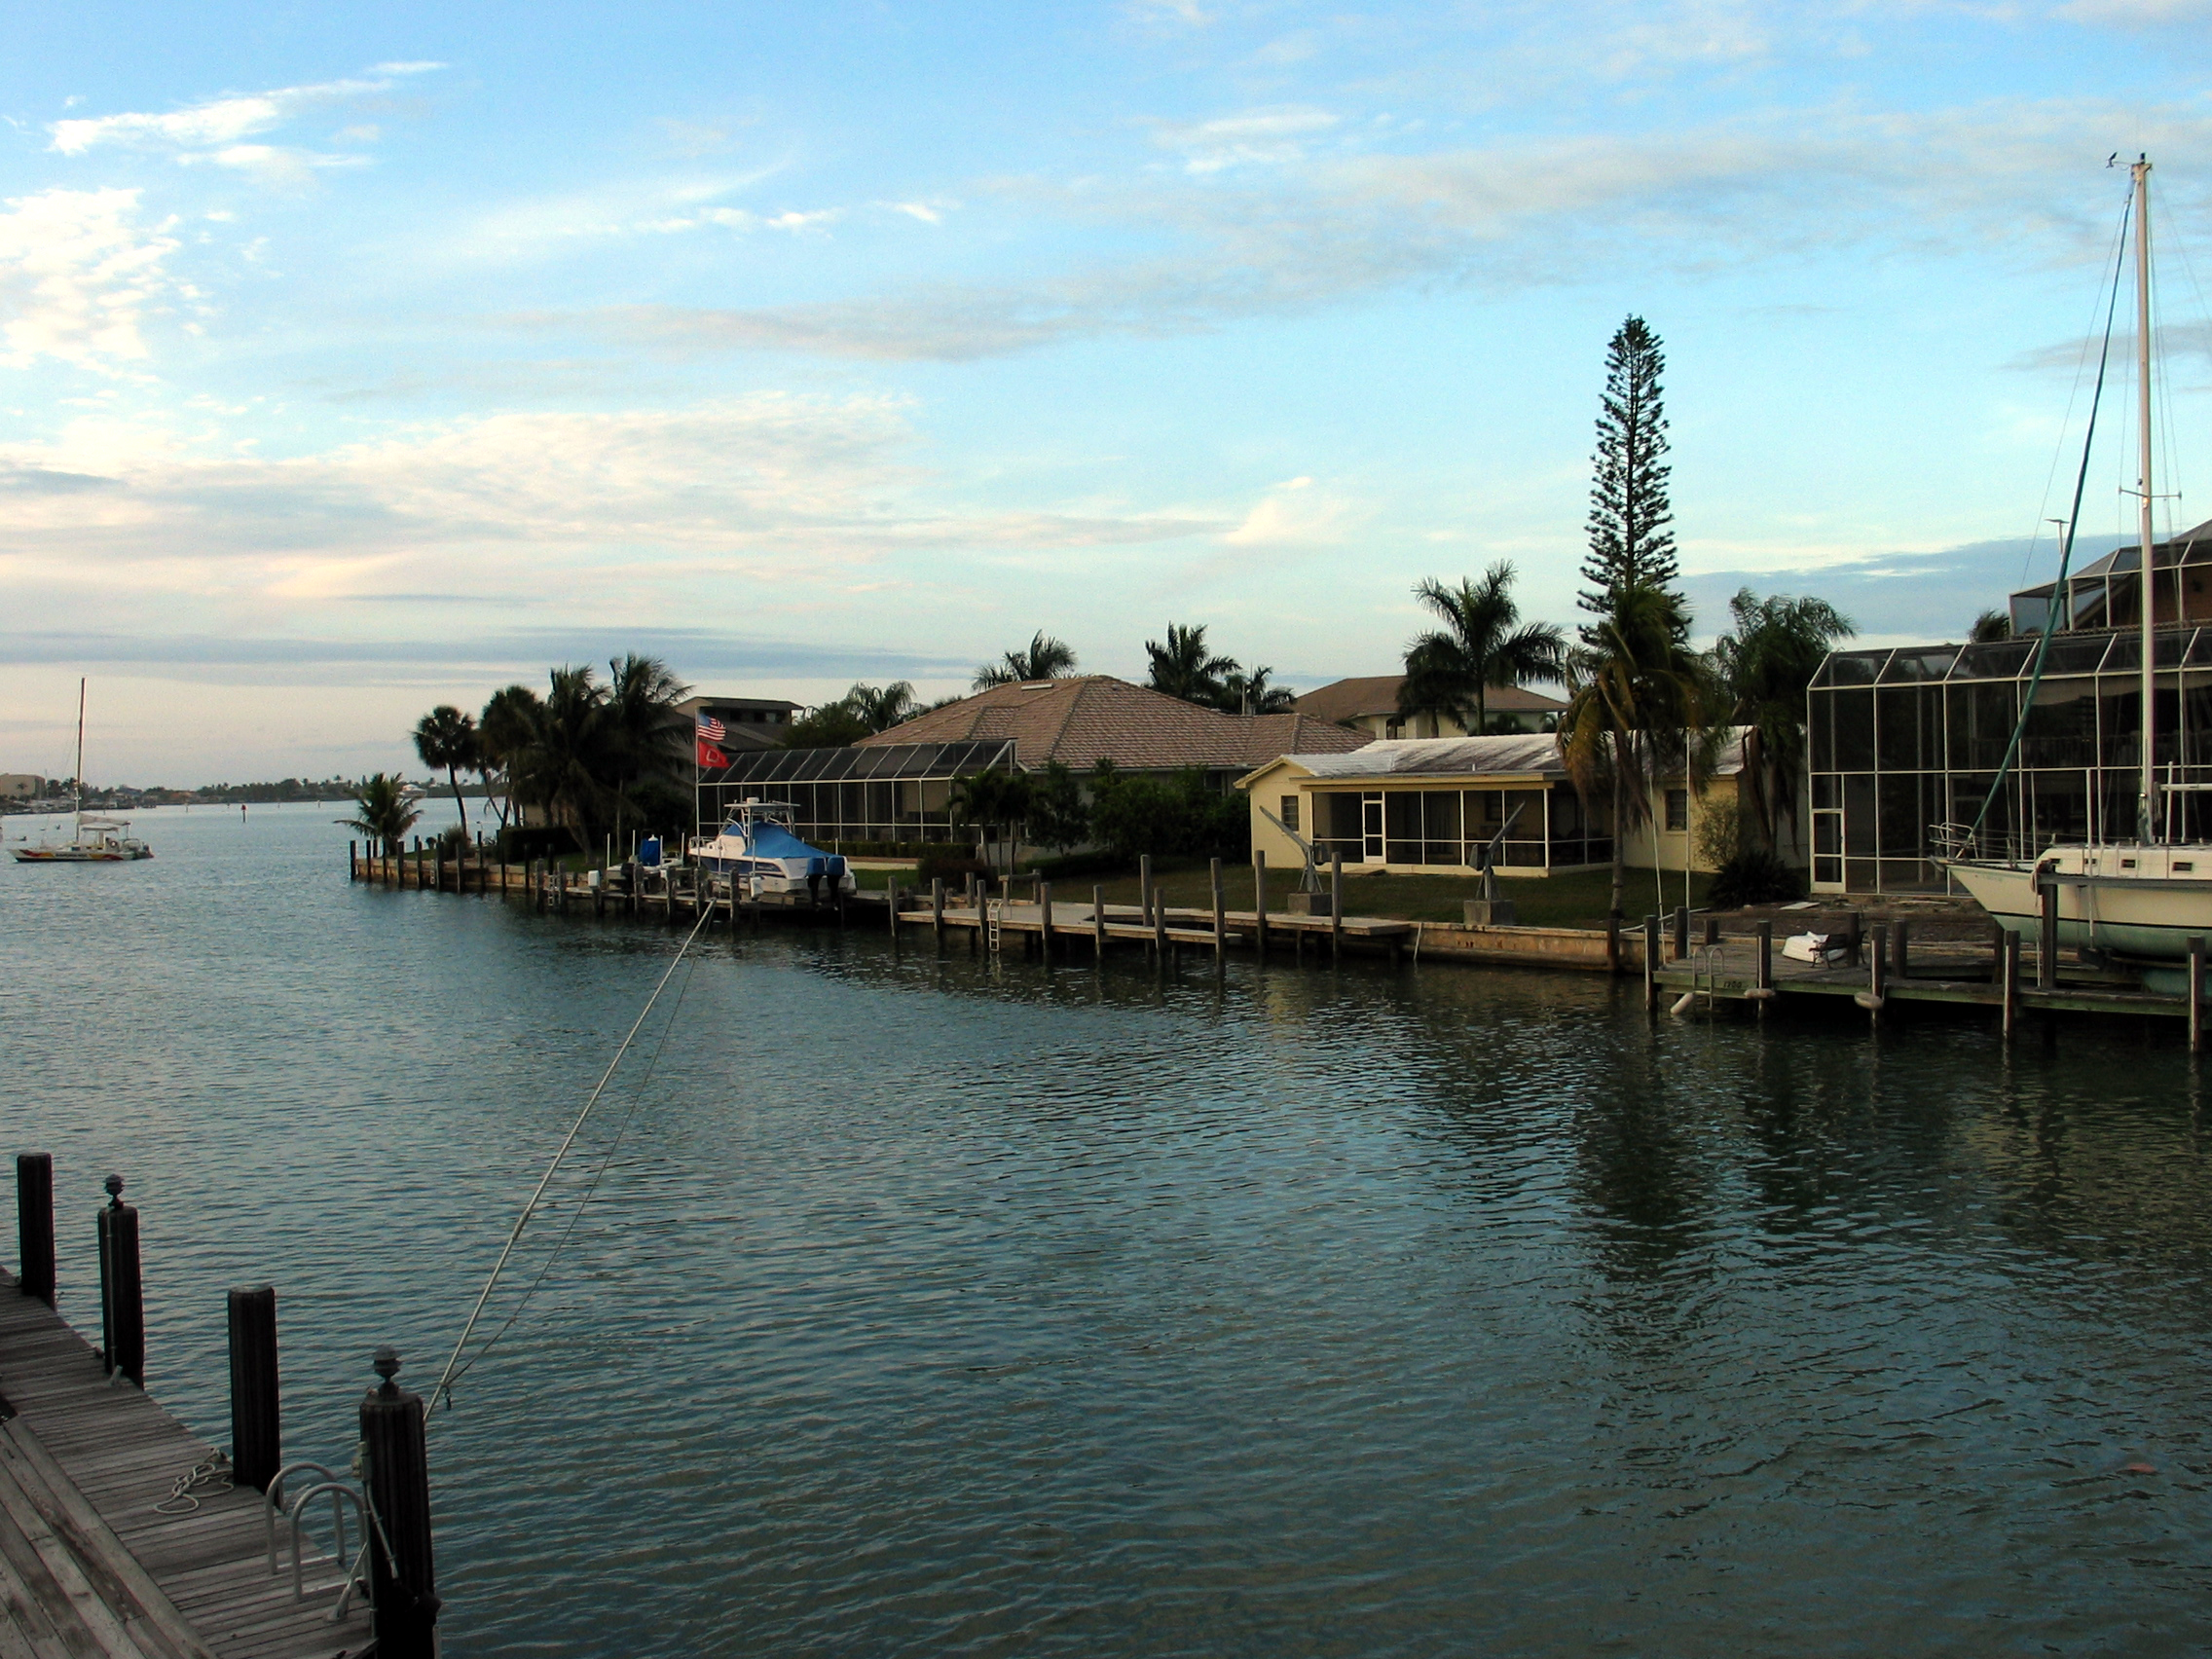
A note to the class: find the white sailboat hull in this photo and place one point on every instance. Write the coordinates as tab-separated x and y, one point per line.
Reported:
2144	902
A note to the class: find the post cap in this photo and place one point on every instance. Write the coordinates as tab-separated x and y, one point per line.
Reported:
114	1185
386	1364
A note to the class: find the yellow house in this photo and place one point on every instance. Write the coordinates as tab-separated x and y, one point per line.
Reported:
1435	805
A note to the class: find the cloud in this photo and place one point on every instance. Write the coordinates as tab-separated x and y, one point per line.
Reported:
77	274
2135	14
215	131
1293	514
1519	213
1261	137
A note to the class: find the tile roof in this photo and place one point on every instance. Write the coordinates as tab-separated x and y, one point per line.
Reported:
1086	719
1378	695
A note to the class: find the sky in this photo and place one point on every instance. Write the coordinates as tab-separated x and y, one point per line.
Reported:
355	359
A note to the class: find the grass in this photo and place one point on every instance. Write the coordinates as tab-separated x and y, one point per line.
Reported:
1578	900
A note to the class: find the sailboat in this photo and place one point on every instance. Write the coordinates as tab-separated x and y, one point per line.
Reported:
98	839
2142	898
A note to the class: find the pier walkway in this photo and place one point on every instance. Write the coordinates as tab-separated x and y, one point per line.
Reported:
98	1556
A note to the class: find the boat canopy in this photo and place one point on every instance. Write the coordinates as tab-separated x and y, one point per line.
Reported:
771	840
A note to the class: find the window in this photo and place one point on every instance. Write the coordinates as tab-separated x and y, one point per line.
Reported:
1677	809
1289	812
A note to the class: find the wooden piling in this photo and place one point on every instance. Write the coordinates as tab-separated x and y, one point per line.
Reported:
352	867
2009	974
1901	949
1877	966
1612	944
1159	926
2047	937
396	1469
1044	921
1651	964
1335	909
891	904
1681	933
978	895
35	1223
1712	930
937	907
2196	994
1098	924
1259	904
123	1292
256	1428
1143	885
1762	988
1220	916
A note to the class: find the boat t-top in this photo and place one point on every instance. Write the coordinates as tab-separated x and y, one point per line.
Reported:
96	839
759	852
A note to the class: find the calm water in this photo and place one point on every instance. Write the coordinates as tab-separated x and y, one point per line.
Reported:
931	1307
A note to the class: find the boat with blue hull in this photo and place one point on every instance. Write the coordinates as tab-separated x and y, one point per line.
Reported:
758	851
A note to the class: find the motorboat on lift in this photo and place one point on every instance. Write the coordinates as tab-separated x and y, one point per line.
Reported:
760	855
96	839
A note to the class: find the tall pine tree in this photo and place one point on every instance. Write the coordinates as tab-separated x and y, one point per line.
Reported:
1629	543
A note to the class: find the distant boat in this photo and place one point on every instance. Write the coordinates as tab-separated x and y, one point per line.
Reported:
2148	897
758	850
97	838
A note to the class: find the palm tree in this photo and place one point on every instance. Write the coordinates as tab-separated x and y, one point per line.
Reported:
651	739
1636	692
506	728
1184	668
381	813
1764	664
880	707
446	737
1246	691
992	800
1990	627
1043	658
1450	670
573	750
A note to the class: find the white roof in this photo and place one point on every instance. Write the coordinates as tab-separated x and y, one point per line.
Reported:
1508	755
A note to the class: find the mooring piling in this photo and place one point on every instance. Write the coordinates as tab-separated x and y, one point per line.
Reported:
35	1223
1335	909
257	1449
1259	904
122	1293
1651	964
2197	993
395	1469
2047	934
1220	916
1044	921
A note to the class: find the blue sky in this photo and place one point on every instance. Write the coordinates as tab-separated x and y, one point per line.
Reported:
359	358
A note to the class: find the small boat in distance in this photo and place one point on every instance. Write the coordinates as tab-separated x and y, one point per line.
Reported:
97	839
759	854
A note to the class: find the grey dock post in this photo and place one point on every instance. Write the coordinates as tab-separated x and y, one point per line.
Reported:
1143	885
1681	931
1712	930
1220	916
1651	964
2046	935
936	906
256	1433
1044	921
2197	998
975	898
891	904
1762	988
395	1467
1259	904
1335	909
1900	942
1159	912
1877	967
35	1223
2008	974
1098	924
122	1294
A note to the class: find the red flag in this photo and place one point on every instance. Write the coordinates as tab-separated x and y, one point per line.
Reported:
710	756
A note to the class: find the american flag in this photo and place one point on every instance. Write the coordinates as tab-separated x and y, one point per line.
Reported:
712	730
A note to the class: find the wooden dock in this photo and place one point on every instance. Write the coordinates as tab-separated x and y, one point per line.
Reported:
99	1555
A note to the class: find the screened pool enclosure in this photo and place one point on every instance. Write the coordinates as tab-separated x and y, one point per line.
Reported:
898	792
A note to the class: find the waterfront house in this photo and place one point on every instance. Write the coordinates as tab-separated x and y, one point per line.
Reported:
1370	704
897	785
741	722
1901	741
1433	805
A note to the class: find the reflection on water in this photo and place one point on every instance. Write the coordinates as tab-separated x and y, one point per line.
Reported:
930	1305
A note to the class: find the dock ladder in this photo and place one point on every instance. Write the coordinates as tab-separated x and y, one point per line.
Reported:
994	917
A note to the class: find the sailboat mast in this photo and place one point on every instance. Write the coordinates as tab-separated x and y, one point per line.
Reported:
79	779
2147	806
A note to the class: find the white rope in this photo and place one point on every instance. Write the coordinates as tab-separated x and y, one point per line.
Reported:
529	1209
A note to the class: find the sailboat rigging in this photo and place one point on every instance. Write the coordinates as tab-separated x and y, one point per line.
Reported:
97	838
2145	899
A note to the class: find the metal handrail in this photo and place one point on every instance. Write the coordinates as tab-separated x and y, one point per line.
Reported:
338	1489
272	1498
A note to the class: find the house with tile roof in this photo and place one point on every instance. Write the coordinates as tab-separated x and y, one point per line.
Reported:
896	785
1370	704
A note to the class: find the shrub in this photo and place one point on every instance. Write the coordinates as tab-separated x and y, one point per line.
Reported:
955	864
1179	817
1755	877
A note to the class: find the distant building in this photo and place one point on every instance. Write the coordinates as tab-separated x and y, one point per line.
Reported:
897	785
747	723
22	785
1370	703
